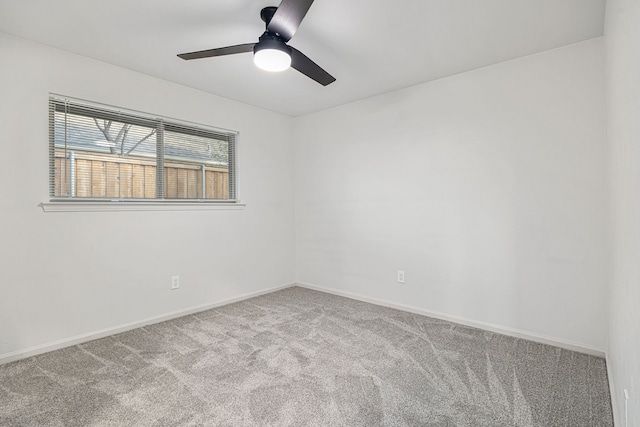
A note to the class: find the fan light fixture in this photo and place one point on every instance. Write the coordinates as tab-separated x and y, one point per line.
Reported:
271	54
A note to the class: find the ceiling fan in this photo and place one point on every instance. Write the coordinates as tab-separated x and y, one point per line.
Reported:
272	53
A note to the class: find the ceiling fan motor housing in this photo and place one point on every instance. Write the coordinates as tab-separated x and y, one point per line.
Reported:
271	41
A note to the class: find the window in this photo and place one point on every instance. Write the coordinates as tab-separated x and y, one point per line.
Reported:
99	153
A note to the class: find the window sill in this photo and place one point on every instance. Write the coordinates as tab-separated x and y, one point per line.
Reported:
117	206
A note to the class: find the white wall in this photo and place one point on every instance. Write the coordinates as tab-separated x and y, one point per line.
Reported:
67	274
622	35
487	188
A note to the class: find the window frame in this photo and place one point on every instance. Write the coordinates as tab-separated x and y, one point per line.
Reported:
102	204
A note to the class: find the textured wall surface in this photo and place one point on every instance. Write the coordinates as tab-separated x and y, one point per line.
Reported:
622	35
67	274
487	188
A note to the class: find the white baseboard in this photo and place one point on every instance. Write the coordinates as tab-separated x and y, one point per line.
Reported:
618	419
90	336
467	322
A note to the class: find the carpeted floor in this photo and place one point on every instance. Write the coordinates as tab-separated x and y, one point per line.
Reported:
298	357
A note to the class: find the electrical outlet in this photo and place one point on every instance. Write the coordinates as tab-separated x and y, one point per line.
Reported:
400	276
175	282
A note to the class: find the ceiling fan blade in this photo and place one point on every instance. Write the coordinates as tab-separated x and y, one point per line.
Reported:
229	50
300	62
288	17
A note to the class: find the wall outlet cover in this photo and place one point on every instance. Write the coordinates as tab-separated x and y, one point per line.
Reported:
175	282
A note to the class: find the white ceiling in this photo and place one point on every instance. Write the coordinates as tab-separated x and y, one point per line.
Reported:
370	46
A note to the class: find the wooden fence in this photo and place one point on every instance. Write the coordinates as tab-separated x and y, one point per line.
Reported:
112	176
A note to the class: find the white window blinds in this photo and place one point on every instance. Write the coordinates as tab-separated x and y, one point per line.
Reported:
106	153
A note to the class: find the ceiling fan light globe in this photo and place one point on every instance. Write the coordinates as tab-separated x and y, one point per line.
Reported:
272	59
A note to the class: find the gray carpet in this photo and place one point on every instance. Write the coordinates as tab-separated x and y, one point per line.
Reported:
303	358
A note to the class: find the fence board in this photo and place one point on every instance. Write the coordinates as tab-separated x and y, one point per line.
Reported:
98	179
57	191
150	182
83	178
183	186
199	184
113	179
137	181
210	184
103	175
225	185
170	183
192	183
219	186
63	177
125	180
